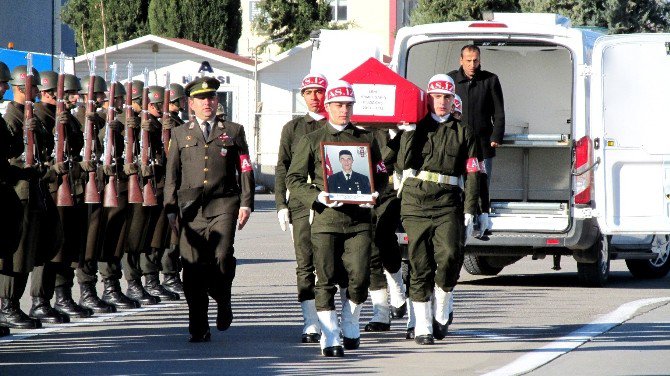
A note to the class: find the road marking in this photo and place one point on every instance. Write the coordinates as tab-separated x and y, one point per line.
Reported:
553	350
84	322
487	335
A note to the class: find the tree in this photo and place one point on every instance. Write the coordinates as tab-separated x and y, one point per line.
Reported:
123	20
634	16
293	20
431	11
213	23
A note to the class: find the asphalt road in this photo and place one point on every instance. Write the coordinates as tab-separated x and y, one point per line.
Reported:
529	319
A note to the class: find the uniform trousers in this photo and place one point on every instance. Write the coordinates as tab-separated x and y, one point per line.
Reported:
435	252
302	244
339	257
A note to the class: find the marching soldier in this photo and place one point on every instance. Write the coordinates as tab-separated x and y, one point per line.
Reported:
72	219
105	224
209	192
147	226
32	192
10	233
340	233
293	212
433	209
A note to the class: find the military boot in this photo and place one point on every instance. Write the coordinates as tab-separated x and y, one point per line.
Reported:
12	316
43	311
113	295
65	305
88	298
173	283
137	292
153	287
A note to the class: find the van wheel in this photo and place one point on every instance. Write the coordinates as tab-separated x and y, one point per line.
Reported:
479	265
596	274
654	268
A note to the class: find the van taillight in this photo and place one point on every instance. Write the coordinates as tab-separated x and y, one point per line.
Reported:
487	24
583	175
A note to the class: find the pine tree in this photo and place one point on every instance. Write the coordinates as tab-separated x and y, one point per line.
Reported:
431	11
293	20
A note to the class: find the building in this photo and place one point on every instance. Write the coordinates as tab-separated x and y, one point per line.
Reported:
381	18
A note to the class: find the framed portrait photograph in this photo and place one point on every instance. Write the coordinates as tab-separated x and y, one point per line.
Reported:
347	172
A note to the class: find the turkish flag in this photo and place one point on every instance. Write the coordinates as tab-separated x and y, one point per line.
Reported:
329	169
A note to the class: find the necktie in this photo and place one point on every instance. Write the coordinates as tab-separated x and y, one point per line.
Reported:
205	132
348	176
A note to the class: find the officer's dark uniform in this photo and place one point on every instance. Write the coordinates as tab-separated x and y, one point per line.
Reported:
207	181
432	212
356	183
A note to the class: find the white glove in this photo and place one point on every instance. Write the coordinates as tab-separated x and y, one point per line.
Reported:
469	225
368	205
311	216
484	223
393	133
407	127
282	216
322	199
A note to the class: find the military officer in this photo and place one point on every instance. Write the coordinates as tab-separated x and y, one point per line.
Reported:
209	193
44	278
32	191
292	211
146	230
347	180
433	209
10	233
340	233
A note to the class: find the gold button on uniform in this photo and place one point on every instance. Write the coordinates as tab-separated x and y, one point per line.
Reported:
206	157
204	182
206	145
205	169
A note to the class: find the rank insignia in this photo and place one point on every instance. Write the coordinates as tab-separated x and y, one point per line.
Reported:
188	138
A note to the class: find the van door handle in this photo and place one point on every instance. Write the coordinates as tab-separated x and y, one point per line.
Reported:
575	173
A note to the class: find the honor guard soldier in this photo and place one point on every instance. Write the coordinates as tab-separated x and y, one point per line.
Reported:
434	208
57	274
177	103
209	193
34	198
291	213
340	233
10	233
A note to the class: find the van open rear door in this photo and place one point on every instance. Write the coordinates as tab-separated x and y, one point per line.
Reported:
630	129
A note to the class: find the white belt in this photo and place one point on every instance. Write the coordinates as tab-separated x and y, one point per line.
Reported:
437	178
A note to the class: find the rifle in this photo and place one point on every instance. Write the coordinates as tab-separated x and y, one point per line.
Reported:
29	135
111	197
91	193
64	195
166	114
134	192
148	191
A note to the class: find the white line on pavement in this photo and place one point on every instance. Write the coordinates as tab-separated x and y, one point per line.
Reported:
553	350
84	322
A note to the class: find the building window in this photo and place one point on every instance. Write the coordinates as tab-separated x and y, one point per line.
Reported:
254	9
338	10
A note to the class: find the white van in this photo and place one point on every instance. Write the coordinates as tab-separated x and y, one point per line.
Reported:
584	169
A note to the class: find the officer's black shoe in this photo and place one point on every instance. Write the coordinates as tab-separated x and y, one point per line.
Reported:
400	312
224	315
88	298
333	351
44	312
113	295
137	292
12	316
425	339
377	327
439	330
410	333
4	331
311	337
206	337
66	306
173	283
153	287
451	318
351	343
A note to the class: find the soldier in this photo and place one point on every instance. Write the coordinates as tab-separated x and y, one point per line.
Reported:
147	228
293	212
209	191
102	241
177	102
433	209
44	277
10	233
340	233
31	190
